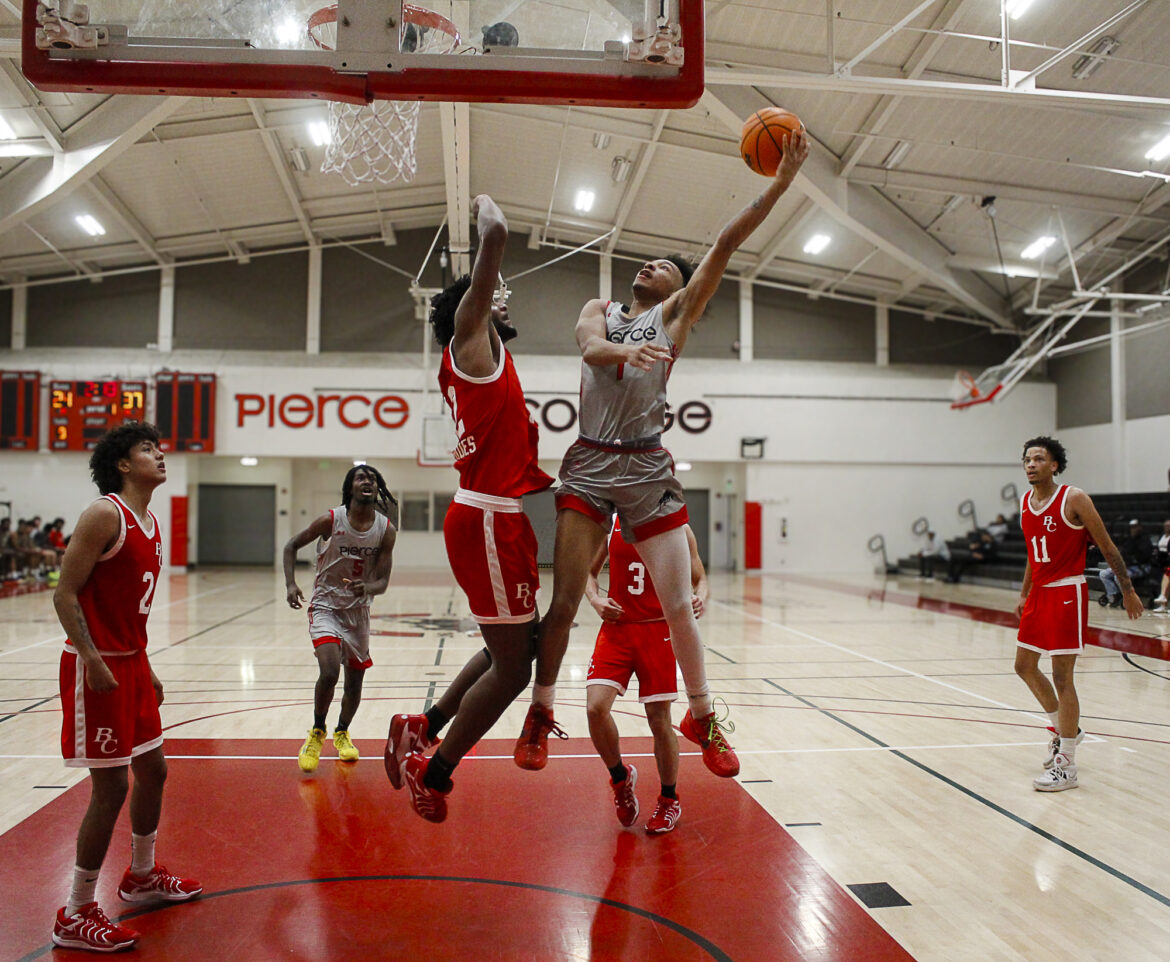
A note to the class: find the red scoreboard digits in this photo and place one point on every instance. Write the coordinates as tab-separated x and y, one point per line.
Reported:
185	411
20	408
80	412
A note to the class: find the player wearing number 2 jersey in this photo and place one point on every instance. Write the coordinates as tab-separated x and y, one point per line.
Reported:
355	547
1058	521
109	694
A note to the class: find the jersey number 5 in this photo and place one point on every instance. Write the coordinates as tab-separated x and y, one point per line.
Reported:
1040	549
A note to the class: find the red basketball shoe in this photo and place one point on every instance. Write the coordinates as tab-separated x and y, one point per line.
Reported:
157	884
532	746
707	733
665	816
624	799
408	733
428	802
90	929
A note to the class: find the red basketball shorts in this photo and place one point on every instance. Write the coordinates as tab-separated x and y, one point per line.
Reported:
641	649
104	729
492	550
1054	619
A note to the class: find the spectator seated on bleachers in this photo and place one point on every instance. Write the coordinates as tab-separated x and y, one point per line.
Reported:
981	550
935	547
999	528
1137	551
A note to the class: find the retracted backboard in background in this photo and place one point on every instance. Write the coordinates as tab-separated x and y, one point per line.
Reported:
632	53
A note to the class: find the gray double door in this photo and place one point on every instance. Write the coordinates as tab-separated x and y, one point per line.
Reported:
237	524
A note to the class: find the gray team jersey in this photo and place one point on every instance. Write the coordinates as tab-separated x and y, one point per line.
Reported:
346	554
619	402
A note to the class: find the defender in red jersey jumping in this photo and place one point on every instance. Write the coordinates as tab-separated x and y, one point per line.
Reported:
109	693
490	542
1058	522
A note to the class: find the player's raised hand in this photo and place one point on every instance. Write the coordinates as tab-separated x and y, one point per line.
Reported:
645	356
795	153
294	596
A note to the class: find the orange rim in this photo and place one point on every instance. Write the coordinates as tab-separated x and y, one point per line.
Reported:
419	16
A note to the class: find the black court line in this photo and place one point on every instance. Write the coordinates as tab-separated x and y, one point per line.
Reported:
1036	829
703	943
801	824
34	705
755	781
439	653
1148	671
219	624
721	655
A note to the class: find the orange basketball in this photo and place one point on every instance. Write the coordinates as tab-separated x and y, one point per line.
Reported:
761	144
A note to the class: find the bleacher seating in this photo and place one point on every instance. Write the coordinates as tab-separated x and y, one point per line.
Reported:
1116	510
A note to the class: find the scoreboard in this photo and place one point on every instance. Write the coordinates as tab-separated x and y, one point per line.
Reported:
20	408
184	411
80	412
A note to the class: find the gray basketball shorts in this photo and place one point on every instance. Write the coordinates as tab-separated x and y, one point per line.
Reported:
349	627
639	485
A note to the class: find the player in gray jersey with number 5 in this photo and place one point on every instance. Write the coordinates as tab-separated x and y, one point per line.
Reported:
355	546
618	464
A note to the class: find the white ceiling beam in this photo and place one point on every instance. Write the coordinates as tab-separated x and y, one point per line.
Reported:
130	223
641	169
1030	77
867	214
804	215
456	129
280	168
914	67
846	68
12	79
91	144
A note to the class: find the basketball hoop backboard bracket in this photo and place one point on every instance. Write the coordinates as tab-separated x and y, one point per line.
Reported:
597	62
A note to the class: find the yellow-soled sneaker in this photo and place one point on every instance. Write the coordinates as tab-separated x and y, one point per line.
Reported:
311	750
346	750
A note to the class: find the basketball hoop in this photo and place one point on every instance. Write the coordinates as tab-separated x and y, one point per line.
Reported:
967	390
964	388
375	142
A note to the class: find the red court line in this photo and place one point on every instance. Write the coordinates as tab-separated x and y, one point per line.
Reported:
528	866
1101	637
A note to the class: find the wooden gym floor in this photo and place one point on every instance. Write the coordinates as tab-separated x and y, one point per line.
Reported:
884	810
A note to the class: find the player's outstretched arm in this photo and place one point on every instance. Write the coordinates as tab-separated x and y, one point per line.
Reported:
472	344
322	527
598	350
1085	513
97	529
684	308
381	579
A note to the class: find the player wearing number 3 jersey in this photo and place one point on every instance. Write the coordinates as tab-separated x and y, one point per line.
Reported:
1058	521
110	696
355	547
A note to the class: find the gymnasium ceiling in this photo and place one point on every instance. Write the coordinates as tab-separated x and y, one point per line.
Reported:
913	132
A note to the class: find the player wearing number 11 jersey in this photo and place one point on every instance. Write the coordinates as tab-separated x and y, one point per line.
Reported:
1058	521
355	547
109	694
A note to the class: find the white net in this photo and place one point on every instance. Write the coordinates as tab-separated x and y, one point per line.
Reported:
376	142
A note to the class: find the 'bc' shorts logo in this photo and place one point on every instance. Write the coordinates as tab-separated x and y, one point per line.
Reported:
524	594
106	741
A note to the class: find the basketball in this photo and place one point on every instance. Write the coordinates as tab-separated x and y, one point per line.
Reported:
761	144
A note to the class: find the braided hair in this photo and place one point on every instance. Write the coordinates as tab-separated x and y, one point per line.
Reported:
385	502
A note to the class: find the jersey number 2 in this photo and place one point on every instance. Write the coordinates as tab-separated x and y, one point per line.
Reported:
1040	549
144	604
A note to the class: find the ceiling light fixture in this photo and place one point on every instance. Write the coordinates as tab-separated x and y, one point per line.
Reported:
817	243
90	224
1160	150
1017	8
1096	56
619	170
584	201
288	31
1037	247
249	462
298	159
319	131
6	131
897	155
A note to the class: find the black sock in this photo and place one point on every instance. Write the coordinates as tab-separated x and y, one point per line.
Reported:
618	773
435	721
668	791
341	727
438	774
319	722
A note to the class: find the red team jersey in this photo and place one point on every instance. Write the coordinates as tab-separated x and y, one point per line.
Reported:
629	582
1056	547
116	598
497	450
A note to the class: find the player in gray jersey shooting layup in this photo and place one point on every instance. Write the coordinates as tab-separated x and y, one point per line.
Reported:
618	463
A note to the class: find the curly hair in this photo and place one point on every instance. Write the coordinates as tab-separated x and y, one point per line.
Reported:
1054	448
443	307
385	499
113	447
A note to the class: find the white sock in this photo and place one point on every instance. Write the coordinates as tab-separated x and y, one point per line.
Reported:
1052	716
544	695
1068	748
700	702
84	889
142	854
